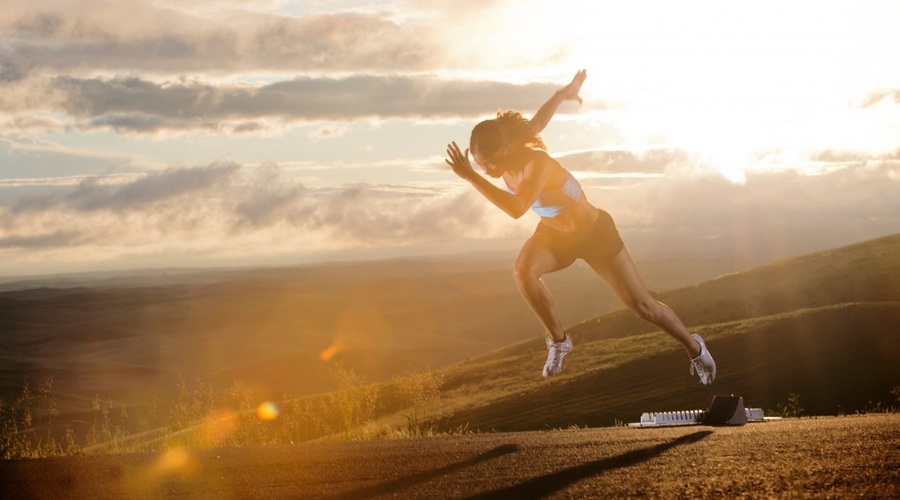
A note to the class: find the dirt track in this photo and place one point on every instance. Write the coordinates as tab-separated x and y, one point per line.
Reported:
837	457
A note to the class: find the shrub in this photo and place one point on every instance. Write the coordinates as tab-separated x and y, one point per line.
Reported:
420	391
791	409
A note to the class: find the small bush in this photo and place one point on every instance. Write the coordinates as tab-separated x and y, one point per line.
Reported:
791	409
420	391
353	404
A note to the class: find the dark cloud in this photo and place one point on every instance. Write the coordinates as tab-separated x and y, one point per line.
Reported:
267	200
833	156
93	195
56	239
220	200
772	214
136	105
372	214
170	42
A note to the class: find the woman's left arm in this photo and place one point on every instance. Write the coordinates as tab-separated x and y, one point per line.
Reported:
548	109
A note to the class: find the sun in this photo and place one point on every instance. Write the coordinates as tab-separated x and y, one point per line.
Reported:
732	85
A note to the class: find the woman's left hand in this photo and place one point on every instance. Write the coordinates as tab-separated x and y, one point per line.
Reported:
571	90
459	161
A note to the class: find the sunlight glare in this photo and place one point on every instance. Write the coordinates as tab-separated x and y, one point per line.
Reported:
726	82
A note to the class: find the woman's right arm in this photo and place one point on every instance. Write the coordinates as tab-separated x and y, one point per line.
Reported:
548	109
515	205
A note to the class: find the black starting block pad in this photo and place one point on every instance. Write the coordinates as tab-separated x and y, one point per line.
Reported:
719	410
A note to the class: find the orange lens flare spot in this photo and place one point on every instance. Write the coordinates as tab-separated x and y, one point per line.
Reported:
329	353
173	459
267	411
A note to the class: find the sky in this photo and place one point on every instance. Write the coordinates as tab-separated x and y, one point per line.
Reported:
162	133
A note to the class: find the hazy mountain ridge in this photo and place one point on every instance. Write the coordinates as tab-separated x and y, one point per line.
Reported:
115	335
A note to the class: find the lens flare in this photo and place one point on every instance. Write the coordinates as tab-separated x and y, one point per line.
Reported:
329	353
267	411
174	459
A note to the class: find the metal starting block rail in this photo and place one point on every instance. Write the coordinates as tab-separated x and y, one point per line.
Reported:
721	410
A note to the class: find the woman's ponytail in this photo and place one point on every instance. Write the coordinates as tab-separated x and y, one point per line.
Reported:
510	127
519	129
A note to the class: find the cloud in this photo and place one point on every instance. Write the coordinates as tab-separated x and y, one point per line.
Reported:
230	203
60	238
267	199
853	157
877	97
83	36
649	161
384	214
130	104
92	194
228	210
773	214
30	159
329	132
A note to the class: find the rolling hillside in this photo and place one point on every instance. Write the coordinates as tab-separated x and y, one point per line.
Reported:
825	326
117	335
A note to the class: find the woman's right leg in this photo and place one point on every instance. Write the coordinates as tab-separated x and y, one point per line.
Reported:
623	277
535	260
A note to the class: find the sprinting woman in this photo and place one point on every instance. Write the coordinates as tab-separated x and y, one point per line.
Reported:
509	147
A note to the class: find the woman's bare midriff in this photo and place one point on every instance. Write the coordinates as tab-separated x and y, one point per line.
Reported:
577	217
573	218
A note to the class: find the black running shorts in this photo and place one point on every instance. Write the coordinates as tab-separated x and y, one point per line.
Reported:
596	246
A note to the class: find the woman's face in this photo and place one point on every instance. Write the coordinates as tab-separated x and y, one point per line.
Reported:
494	164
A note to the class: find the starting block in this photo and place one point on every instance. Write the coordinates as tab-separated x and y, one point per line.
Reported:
720	410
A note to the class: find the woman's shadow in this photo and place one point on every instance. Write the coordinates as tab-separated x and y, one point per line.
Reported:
545	485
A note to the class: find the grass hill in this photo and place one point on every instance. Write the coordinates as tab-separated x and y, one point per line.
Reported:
824	326
115	336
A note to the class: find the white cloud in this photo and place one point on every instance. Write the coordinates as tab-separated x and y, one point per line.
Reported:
773	214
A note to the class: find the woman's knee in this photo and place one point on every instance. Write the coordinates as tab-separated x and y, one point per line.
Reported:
646	309
524	271
533	262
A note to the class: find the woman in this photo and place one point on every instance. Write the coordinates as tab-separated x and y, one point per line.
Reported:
509	147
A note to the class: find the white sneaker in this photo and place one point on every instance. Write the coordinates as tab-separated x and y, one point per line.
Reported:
556	352
703	364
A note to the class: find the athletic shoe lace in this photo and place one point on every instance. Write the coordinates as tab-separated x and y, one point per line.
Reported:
553	352
700	367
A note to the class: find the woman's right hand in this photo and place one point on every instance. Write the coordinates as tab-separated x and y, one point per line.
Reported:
459	161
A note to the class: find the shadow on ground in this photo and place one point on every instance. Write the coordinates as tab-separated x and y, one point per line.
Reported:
537	487
422	477
545	485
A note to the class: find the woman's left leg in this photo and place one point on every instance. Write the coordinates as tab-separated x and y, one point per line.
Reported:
622	275
536	258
